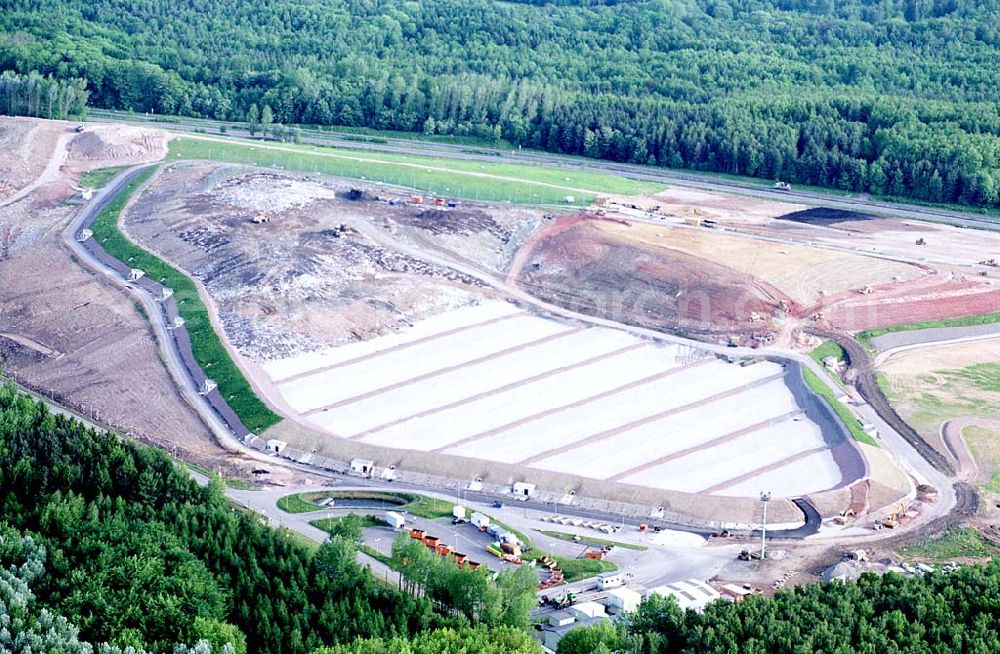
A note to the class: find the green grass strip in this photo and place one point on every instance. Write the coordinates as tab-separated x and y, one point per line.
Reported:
593	542
824	391
453	178
99	178
208	349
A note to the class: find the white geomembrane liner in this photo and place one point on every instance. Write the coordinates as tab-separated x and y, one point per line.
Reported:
459	318
711	466
447	427
467	382
564	428
626	451
494	383
388	368
800	477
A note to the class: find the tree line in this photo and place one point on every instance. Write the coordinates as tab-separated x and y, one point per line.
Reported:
41	97
952	612
126	550
107	545
893	97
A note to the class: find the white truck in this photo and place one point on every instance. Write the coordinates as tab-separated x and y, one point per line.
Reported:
480	521
395	520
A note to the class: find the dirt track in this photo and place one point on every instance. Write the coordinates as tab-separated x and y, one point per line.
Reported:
862	373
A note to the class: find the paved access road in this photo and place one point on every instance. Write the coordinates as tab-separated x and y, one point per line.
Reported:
645	173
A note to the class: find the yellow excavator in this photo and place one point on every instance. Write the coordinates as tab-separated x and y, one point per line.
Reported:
892	521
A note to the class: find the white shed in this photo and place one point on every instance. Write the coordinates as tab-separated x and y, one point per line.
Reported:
363	466
276	446
624	600
523	489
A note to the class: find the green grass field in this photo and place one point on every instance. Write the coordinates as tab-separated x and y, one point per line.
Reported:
208	349
329	525
952	544
99	178
457	178
824	391
864	337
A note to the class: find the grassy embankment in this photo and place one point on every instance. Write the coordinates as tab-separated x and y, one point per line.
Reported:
457	178
824	391
829	349
952	544
208	349
418	505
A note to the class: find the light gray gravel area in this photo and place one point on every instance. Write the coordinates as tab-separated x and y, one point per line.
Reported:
893	340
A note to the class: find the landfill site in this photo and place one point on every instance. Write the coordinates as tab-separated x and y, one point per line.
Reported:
646	350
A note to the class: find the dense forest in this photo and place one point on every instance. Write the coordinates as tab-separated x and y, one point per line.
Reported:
954	613
106	541
895	97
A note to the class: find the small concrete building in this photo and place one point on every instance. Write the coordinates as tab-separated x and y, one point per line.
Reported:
276	446
609	580
624	600
523	489
362	466
690	593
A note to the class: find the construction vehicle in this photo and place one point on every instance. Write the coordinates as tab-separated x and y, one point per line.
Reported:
559	602
921	241
511	548
748	555
867	290
78	129
782	186
892	521
844	516
993	263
